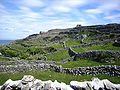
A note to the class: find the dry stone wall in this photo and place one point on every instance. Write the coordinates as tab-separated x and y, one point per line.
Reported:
96	55
111	70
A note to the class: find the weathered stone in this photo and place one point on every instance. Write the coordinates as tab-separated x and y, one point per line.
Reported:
35	84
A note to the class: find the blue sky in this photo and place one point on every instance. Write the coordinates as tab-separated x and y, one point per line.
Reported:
20	18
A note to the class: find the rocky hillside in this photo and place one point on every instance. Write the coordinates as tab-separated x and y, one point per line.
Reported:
81	50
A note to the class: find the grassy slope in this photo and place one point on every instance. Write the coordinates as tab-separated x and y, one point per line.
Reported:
107	46
85	63
48	75
58	56
81	63
72	42
57	46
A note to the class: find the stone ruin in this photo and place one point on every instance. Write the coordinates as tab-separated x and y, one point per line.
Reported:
28	82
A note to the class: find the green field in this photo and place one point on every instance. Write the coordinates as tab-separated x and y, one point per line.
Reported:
58	56
107	46
72	42
48	75
82	63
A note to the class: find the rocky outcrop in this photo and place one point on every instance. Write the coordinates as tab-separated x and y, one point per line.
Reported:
28	82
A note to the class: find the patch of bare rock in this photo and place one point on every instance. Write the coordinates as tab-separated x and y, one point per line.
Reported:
28	82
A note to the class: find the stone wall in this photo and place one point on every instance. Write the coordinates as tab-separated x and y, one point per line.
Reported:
97	55
71	52
24	68
111	70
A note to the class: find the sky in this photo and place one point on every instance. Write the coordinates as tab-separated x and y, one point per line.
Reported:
20	18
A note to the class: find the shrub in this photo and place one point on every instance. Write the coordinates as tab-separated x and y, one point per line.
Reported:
10	53
51	49
112	35
34	51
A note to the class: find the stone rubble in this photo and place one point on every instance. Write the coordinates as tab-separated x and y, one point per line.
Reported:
28	82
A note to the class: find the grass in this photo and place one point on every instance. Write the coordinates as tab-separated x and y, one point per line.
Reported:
72	42
57	46
3	60
48	75
81	63
85	63
107	46
58	56
18	47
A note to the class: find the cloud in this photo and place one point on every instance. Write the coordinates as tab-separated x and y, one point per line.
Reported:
28	14
3	9
23	23
112	17
94	11
65	5
2	6
26	17
31	3
105	6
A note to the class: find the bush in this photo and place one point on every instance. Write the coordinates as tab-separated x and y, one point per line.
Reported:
51	49
112	35
34	51
10	53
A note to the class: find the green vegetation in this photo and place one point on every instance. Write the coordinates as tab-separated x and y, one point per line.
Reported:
35	50
50	49
48	75
57	46
81	63
72	42
58	56
107	46
3	59
85	63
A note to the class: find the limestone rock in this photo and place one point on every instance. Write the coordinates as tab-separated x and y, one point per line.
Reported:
95	84
28	82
